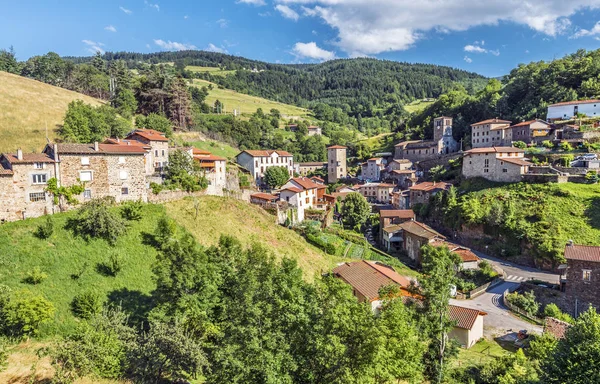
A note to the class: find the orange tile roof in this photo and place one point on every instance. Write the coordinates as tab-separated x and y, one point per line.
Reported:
210	157
494	149
582	253
266	153
429	186
264	196
420	230
337	147
465	317
305	182
128	142
465	254
196	151
400	213
149	134
368	277
492	121
121	149
28	158
293	189
517	161
575	102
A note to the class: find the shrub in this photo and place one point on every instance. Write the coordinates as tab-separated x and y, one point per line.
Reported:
465	286
86	305
547	144
525	301
520	144
35	276
156	188
22	313
132	210
46	229
327	247
95	220
113	265
552	310
565	146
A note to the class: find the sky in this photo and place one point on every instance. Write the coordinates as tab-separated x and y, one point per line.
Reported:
489	37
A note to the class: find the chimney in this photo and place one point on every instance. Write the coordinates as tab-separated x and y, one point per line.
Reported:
19	154
96	146
570	243
128	142
55	150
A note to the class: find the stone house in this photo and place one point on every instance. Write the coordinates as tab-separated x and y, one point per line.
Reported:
581	279
214	169
415	235
23	182
532	131
377	192
502	164
391	239
336	163
420	193
372	168
314	130
159	147
304	169
490	133
257	162
401	199
261	198
443	143
116	170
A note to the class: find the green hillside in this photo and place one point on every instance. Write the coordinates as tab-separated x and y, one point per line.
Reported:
215	71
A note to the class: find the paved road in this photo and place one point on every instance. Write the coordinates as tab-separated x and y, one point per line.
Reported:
499	320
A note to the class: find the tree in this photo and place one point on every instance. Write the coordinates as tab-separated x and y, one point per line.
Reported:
437	173
63	195
218	107
183	172
85	124
275	177
566	146
355	210
439	270
179	102
547	144
8	61
156	122
574	360
125	103
592	177
519	144
96	220
22	312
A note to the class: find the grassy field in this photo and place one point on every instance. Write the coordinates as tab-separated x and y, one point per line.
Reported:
482	352
380	143
199	141
212	70
417	106
27	107
246	103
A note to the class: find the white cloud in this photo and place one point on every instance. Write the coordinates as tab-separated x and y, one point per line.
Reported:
312	51
110	28
186	17
151	5
375	26
468	59
495	52
223	23
474	48
287	12
213	48
93	46
173	45
314	32
527	51
588	32
252	2
127	11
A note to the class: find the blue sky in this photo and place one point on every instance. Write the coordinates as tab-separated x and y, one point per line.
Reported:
486	36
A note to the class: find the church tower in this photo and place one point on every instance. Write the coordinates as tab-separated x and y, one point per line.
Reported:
336	163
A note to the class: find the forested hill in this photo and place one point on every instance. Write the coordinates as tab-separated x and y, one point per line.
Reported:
357	86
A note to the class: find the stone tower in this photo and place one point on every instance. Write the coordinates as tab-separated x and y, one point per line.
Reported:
442	128
336	163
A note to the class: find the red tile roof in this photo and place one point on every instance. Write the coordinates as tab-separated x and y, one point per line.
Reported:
149	134
492	121
465	317
337	147
525	123
400	213
575	102
465	254
196	151
123	149
583	253
209	157
420	230
494	149
368	277
429	186
516	161
28	158
266	153
263	196
305	182
128	142
293	189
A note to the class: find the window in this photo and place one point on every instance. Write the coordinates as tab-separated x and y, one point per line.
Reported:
486	170
121	159
486	163
37	196
123	175
587	275
504	170
124	191
87	194
163	152
39	178
85	161
38	165
85	176
156	153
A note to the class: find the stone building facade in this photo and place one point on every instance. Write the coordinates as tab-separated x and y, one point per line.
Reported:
490	133
336	163
23	182
582	278
502	164
159	148
257	162
443	143
532	131
421	193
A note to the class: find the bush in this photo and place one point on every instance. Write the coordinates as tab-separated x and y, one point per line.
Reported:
565	146
95	220
46	229
465	286
552	310
113	265
156	188
35	276
520	144
22	313
525	301
547	144
3	354
132	210
317	241
86	305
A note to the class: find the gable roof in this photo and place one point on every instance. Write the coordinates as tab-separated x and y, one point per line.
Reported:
368	277
420	230
494	149
292	189
429	186
575	102
492	121
305	182
103	149
465	254
28	158
582	253
465	317
265	153
264	196
337	147
149	134
516	161
526	123
400	213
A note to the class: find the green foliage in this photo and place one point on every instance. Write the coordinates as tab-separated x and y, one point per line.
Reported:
547	144
329	248
567	159
509	369
87	305
132	210
45	230
156	188
552	310
592	177
35	276
84	123
22	312
355	210
184	173
96	220
156	122
64	195
113	265
275	177
3	351
519	144
525	301
125	103
8	61
565	146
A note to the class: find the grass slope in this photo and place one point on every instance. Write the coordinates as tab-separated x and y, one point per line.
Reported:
417	106
215	71
200	141
246	103
250	224
26	107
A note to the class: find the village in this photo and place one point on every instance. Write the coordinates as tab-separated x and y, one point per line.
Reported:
394	184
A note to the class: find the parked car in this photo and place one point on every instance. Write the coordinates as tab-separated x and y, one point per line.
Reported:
590	156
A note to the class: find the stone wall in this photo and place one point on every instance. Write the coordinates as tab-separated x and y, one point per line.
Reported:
426	165
15	190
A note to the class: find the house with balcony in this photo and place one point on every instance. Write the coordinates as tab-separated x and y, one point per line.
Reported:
532	131
158	145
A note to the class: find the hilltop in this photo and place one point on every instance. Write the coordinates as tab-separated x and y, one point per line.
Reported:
27	107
